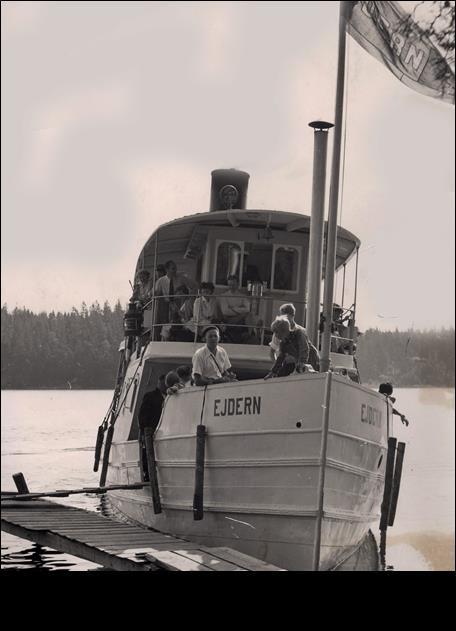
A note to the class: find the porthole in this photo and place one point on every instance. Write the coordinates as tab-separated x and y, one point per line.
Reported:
299	424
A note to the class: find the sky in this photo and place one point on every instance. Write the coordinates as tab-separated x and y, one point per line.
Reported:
115	113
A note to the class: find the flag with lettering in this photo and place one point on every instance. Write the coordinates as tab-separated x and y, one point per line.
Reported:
386	31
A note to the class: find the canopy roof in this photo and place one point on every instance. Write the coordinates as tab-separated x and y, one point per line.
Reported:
181	228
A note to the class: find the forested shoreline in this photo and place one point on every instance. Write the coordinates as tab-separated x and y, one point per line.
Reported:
79	350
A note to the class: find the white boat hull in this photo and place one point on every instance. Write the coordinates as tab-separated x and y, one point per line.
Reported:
264	463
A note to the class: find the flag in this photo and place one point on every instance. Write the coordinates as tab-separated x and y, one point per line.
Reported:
386	32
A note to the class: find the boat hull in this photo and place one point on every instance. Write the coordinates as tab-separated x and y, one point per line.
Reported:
281	467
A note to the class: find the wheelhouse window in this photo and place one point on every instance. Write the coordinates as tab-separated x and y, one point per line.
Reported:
275	266
257	265
229	261
286	265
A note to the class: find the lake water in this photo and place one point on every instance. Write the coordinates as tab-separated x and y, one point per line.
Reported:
49	435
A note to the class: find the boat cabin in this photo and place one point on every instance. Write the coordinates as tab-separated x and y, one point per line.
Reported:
265	250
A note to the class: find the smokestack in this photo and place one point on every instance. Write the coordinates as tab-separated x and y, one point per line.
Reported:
315	260
229	189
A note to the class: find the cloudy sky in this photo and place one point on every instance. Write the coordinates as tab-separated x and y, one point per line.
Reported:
114	114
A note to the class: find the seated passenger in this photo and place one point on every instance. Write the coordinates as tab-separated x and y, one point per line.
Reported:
185	375
142	289
235	310
293	349
186	308
175	331
211	363
205	309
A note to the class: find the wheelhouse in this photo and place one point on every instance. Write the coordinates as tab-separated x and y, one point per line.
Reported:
266	249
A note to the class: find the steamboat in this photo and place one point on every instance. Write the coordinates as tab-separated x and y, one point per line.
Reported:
290	470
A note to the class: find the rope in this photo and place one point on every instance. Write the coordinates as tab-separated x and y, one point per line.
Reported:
113	420
343	288
341	200
345	132
104	423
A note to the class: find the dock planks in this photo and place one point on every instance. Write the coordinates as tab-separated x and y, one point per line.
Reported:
116	545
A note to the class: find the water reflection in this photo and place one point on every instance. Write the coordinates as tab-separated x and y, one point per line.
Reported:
17	554
47	435
422	550
35	558
436	396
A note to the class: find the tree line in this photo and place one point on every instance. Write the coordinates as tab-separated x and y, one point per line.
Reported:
407	358
61	350
79	349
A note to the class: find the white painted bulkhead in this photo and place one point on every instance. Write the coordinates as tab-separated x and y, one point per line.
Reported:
262	465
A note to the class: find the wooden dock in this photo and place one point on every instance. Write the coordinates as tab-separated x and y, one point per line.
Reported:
114	545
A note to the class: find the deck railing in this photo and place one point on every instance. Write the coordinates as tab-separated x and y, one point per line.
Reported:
255	324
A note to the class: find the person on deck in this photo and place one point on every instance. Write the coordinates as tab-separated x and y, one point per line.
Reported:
205	309
293	349
159	271
185	375
233	305
187	303
149	415
165	290
142	289
289	311
387	390
173	382
235	310
175	330
211	363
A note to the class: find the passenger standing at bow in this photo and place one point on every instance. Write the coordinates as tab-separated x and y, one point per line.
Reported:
211	363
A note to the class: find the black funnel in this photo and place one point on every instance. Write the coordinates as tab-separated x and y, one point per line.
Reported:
229	189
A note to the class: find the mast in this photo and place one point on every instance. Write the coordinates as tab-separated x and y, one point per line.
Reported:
331	239
317	218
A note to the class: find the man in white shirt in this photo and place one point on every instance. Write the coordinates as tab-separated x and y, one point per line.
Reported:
211	363
235	310
165	290
205	309
166	285
234	306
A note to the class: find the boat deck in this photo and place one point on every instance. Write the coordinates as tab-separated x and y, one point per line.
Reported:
115	545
